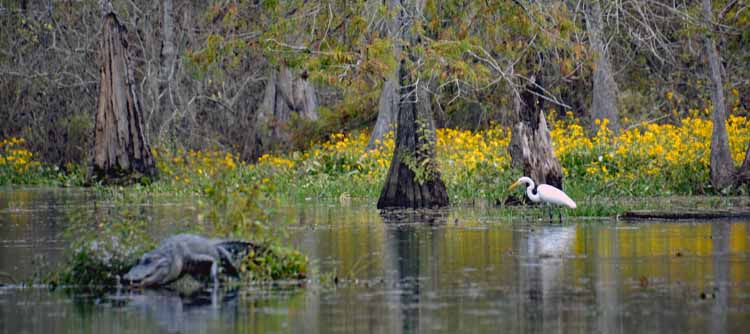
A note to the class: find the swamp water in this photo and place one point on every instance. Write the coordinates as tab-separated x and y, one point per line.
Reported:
472	271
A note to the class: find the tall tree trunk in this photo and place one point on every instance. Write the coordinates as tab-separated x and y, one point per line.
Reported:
530	144
604	99
722	167
389	95
167	57
413	180
168	48
121	151
285	94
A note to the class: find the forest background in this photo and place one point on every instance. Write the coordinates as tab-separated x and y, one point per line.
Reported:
225	83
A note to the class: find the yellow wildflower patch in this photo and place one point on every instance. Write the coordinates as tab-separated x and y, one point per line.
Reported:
185	166
15	156
672	154
651	156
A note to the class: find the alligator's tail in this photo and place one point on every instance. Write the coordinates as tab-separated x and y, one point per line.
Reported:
232	251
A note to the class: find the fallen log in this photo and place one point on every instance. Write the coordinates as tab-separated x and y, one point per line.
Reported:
691	214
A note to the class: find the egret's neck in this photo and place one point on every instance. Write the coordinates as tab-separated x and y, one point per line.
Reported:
534	197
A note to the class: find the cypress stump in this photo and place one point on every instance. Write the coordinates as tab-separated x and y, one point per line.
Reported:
413	180
121	152
530	144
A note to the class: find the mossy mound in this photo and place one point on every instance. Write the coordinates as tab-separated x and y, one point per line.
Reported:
274	263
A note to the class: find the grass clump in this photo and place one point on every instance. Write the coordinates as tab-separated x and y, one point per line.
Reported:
89	267
93	260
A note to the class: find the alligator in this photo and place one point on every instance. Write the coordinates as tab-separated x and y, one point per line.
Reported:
190	254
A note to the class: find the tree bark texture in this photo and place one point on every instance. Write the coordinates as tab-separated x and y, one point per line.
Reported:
722	167
285	94
120	148
168	48
389	95
604	99
387	113
167	58
413	180
530	144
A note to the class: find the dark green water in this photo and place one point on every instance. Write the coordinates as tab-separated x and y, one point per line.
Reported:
472	271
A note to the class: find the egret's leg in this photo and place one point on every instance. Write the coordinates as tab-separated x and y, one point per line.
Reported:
215	296
549	213
215	288
215	273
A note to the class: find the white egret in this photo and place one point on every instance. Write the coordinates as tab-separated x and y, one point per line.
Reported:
545	193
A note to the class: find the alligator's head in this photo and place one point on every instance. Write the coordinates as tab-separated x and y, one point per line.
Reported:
151	270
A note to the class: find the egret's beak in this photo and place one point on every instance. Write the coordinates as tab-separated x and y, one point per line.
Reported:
514	185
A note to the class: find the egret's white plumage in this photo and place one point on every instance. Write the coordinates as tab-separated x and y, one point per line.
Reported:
545	193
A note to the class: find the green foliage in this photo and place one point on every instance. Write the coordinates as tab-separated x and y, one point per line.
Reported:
421	170
99	253
421	162
353	112
275	263
233	208
217	57
484	183
380	59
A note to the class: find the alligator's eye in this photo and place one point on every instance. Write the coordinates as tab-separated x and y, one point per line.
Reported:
147	261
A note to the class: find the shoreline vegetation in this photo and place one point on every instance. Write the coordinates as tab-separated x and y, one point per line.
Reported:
643	160
606	174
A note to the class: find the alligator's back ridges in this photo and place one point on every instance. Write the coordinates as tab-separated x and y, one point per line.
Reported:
237	247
